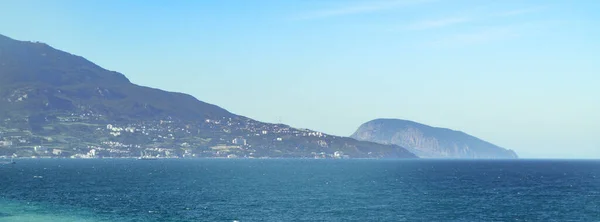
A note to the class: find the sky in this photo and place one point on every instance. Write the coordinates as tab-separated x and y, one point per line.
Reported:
524	75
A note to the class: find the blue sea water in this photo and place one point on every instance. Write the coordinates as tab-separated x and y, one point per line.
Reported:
292	190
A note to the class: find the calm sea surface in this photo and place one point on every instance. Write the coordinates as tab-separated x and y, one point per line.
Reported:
290	190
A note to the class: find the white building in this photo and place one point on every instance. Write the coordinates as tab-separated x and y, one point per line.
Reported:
6	143
56	152
338	154
92	153
239	141
40	149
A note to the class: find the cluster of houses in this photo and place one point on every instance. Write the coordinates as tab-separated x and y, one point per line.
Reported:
229	133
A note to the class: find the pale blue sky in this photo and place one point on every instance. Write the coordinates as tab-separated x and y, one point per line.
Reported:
524	75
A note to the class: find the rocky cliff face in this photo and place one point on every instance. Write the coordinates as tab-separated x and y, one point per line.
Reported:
430	142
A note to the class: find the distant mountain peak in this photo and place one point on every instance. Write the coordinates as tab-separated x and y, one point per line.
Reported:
428	141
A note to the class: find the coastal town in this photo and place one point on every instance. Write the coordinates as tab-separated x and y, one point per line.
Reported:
89	136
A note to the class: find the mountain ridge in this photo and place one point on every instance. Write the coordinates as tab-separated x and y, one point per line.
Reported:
59	104
43	67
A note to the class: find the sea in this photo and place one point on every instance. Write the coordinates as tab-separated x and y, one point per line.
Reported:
299	190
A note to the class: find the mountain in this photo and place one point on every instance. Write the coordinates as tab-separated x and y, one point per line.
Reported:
38	78
57	104
429	142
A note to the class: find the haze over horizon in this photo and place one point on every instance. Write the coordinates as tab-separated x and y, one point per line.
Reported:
521	75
